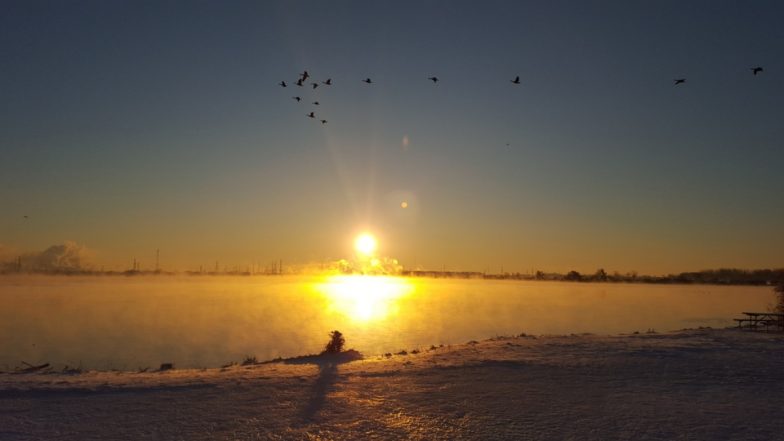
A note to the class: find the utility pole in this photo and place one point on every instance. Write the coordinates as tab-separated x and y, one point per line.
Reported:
157	260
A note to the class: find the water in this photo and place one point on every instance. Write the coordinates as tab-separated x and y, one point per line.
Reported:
132	322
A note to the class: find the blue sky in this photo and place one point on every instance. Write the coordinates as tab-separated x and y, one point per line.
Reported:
131	126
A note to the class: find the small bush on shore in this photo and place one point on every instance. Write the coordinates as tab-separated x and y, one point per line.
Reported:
336	343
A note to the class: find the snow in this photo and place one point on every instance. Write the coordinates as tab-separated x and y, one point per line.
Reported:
692	384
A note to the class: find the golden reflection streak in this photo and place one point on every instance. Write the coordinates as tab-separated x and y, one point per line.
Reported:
365	298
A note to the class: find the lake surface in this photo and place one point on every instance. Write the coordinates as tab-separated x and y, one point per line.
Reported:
132	322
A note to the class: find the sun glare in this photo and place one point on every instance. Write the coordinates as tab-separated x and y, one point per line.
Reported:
365	298
365	244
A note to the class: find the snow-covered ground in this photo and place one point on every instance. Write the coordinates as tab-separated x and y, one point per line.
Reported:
692	384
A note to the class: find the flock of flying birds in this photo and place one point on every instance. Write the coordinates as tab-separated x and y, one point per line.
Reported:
301	83
304	76
755	70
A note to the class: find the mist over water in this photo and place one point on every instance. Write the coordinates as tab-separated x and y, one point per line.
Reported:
132	322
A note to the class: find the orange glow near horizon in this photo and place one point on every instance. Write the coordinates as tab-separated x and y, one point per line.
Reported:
365	298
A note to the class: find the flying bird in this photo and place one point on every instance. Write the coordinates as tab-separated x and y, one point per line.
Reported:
328	82
315	85
367	80
433	79
25	216
311	115
516	80
297	98
756	70
679	81
323	121
299	82
305	75
315	103
282	84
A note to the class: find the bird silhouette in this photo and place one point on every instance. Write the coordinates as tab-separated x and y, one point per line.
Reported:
323	121
433	79
516	80
315	103
367	80
25	216
328	82
297	98
311	115
282	84
305	75
679	81
315	85
756	70
299	82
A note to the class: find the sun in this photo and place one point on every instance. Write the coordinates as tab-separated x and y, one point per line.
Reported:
365	244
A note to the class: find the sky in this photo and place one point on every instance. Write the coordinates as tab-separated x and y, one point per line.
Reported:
131	126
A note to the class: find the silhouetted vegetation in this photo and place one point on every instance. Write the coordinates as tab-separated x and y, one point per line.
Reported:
250	360
336	343
68	259
724	276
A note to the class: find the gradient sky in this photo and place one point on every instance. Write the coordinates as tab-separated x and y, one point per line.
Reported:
130	126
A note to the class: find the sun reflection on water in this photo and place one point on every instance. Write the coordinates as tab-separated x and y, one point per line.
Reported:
365	298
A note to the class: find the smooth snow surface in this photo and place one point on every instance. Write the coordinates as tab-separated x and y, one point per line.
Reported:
692	384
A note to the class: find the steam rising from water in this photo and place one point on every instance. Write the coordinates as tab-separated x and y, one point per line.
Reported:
378	266
70	256
132	322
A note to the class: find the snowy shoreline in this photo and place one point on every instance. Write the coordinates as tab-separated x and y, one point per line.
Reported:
690	384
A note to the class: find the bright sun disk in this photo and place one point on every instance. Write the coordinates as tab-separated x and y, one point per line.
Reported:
365	244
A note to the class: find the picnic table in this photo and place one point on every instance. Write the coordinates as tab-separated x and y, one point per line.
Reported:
762	321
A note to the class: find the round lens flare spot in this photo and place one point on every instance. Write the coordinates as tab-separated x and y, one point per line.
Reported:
365	244
404	204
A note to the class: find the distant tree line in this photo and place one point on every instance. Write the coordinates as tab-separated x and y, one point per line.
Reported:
723	276
68	259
